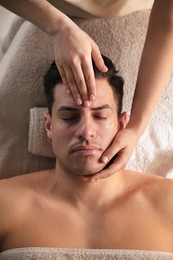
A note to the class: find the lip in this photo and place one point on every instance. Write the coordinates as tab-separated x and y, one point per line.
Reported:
86	149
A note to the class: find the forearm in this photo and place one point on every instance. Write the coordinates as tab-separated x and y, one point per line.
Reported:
156	64
39	12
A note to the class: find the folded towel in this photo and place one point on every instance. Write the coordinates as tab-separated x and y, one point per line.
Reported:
38	143
82	254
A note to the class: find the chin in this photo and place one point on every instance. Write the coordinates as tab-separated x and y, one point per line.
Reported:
84	171
87	165
81	168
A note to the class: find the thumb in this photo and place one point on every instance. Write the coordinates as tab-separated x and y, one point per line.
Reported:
97	57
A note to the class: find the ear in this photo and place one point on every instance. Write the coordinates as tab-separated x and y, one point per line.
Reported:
122	120
48	125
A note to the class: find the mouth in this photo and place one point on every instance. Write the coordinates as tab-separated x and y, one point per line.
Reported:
86	149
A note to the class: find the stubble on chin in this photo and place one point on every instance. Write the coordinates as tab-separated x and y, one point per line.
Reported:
74	169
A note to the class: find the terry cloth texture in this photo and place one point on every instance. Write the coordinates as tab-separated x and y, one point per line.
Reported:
82	254
27	59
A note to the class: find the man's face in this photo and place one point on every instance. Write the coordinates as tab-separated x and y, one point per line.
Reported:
81	134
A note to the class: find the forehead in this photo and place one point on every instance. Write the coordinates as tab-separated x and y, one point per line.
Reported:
104	95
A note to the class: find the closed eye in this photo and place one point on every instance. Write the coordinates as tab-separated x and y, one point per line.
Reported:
100	117
69	118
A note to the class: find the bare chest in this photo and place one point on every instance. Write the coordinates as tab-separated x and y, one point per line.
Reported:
116	228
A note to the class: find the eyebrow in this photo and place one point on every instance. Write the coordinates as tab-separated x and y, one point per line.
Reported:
75	109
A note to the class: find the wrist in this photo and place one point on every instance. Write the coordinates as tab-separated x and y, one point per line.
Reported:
59	24
137	125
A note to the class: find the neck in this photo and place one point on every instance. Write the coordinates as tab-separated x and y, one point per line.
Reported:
86	194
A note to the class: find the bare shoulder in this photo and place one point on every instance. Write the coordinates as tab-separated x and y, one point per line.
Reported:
22	183
15	185
158	191
18	187
10	193
162	195
10	190
15	195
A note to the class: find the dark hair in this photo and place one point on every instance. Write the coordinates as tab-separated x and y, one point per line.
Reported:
53	77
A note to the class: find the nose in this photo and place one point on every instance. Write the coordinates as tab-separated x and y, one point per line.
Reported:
86	130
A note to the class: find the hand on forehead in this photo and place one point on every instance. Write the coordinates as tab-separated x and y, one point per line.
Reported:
104	95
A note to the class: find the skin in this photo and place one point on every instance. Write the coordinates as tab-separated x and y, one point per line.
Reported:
56	208
73	52
88	124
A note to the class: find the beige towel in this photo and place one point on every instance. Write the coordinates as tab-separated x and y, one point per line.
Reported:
38	142
82	254
21	75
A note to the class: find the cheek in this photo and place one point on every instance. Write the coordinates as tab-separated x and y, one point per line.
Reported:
108	132
61	136
59	143
111	128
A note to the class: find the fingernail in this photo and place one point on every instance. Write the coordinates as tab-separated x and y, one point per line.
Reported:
87	103
78	101
92	97
104	67
105	159
68	92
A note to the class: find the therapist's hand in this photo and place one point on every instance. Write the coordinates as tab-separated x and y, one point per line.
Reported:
74	51
122	147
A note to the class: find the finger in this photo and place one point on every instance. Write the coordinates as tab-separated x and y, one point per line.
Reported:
89	78
111	151
116	166
64	78
80	82
68	91
72	85
100	175
62	74
103	174
97	57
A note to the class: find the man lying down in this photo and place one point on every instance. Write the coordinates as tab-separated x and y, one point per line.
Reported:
58	208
